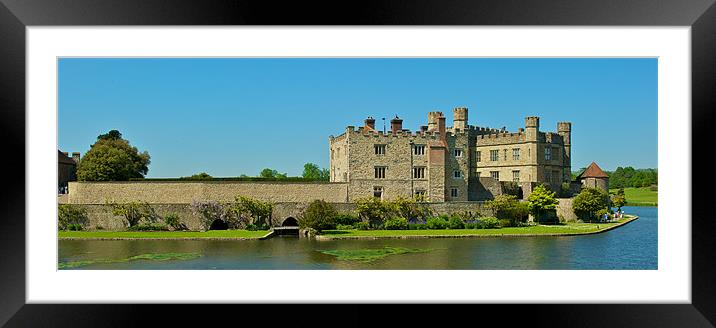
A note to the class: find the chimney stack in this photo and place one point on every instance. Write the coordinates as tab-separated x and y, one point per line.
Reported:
370	123
396	125
76	157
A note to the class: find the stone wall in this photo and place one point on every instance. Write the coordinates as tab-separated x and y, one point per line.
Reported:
184	192
564	209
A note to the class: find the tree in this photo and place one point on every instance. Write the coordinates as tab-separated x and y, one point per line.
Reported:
619	199
112	158
507	207
199	176
312	171
256	211
271	174
589	202
540	200
319	215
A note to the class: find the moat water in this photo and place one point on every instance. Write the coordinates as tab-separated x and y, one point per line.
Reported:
630	247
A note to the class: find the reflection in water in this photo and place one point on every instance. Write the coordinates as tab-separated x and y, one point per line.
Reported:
633	246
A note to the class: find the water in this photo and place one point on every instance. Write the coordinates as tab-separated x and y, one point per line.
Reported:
632	246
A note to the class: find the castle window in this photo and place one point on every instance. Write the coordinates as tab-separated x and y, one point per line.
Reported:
379	149
516	154
516	176
458	152
548	153
418	173
457	174
453	192
419	149
478	156
379	172
495	175
494	155
378	192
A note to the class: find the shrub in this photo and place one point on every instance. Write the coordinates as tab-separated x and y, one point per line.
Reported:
489	223
507	207
374	210
600	214
210	211
257	227
361	225
319	215
172	220
344	227
396	223
74	227
134	212
455	223
541	200
589	202
346	219
437	223
68	214
417	226
248	210
408	208
149	227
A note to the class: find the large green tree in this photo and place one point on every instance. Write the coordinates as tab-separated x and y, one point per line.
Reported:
273	174
589	202
540	200
619	199
112	158
312	171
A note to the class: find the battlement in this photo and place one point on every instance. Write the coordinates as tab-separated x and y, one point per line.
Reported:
532	122
500	138
564	126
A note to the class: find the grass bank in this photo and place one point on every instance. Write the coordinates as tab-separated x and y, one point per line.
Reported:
120	235
568	229
639	196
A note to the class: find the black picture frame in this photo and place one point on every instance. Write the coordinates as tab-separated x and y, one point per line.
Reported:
700	15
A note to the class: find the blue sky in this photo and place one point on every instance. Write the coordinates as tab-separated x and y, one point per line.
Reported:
233	116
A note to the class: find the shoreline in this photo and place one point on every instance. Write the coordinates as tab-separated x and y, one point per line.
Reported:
564	234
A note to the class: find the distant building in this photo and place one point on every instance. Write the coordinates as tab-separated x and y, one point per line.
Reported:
66	168
458	163
594	177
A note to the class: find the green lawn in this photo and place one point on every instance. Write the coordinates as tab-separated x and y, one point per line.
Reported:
163	234
569	228
639	196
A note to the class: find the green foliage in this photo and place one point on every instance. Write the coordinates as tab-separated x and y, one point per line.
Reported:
507	207
210	211
588	202
409	208
396	223
74	227
249	210
172	220
199	176
134	212
346	219
630	177
600	214
489	222
257	227
565	191
541	200
374	210
436	223
269	173
455	223
344	227
619	199
417	226
362	225
112	158
312	171
69	214
149	227
319	215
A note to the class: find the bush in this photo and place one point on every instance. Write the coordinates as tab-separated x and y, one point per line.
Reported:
319	215
361	225
455	223
589	202
148	227
472	225
68	214
257	227
74	227
417	226
248	210
134	212
374	210
344	227
489	223
395	224
172	220
346	219
211	211
600	214
507	207
437	223
540	201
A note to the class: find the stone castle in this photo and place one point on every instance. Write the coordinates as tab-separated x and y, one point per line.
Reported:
443	164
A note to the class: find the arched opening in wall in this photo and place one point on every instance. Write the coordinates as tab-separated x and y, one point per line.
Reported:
290	222
219	224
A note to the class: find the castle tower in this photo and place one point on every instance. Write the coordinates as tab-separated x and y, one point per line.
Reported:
433	120
531	128
459	119
564	129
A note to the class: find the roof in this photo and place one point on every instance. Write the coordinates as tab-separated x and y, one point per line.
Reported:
593	171
63	159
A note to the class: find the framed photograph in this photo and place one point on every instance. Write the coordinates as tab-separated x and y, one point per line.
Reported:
461	153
